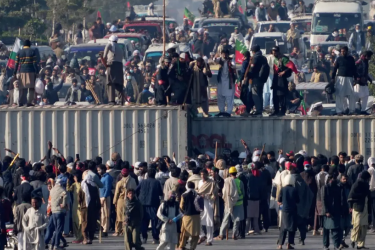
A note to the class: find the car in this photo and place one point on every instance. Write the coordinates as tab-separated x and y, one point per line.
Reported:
155	51
280	26
153	28
220	26
124	43
44	52
87	51
136	37
168	20
267	40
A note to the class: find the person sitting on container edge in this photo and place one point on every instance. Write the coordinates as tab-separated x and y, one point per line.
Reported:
293	98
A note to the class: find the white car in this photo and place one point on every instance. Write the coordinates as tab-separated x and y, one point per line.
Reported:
124	43
267	40
155	51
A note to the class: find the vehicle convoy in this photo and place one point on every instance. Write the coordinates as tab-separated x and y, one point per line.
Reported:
329	15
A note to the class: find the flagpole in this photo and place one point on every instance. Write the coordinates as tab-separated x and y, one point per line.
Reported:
164	27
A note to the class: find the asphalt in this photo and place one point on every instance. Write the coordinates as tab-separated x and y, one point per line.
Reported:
264	241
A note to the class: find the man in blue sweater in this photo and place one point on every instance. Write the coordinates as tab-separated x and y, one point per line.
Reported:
105	198
150	191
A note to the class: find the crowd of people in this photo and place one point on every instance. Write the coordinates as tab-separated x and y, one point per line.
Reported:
195	200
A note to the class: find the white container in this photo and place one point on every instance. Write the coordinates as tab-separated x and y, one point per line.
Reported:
137	133
324	135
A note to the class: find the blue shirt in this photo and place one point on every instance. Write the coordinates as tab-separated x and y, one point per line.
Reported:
105	191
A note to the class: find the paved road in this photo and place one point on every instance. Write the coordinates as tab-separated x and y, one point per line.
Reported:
264	241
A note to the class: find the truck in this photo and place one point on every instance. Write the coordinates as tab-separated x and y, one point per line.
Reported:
334	14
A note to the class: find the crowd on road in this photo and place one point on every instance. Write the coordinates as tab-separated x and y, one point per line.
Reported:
192	200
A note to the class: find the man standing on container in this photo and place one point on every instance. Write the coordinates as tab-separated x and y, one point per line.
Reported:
361	88
345	70
27	63
113	56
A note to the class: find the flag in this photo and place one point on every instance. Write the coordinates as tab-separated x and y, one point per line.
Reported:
303	104
12	58
98	14
240	6
240	49
190	17
286	62
128	5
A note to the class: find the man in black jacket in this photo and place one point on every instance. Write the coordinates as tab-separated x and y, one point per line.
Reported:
356	169
345	70
162	93
24	189
253	198
150	192
361	88
133	221
360	202
264	206
258	61
283	11
332	201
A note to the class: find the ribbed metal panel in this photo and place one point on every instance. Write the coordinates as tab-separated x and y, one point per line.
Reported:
325	135
137	133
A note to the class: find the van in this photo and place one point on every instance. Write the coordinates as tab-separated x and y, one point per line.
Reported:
329	15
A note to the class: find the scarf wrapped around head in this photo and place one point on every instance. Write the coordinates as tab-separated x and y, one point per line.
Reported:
113	40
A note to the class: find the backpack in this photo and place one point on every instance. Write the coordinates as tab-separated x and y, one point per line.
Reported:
264	71
199	203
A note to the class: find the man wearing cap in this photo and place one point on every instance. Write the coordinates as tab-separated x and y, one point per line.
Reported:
361	88
162	83
27	63
345	70
233	195
113	56
260	13
280	82
179	75
357	40
127	182
200	74
226	79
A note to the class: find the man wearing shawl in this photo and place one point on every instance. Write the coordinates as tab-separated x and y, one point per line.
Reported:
282	68
127	182
133	221
201	73
233	194
76	215
89	202
34	222
113	55
207	189
360	203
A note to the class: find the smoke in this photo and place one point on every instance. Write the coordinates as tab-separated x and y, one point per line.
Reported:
175	8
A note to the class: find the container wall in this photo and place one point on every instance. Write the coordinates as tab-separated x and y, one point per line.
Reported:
136	133
324	135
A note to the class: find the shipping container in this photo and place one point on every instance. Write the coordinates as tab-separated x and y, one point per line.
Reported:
137	133
324	135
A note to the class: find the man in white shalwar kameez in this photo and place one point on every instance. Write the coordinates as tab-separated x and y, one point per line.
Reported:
168	210
345	70
207	189
267	91
226	84
34	223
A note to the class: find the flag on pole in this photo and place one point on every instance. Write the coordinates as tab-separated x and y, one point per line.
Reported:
13	55
98	14
190	17
303	104
128	5
240	49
